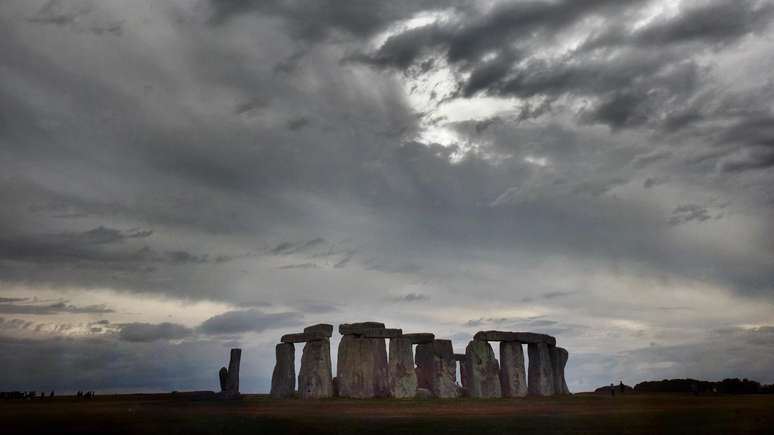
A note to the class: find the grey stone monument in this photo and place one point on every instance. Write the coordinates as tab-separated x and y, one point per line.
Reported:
283	379
482	370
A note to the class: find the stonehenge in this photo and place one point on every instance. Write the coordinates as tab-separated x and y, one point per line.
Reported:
437	369
365	369
540	377
283	379
482	371
223	375
513	377
229	377
559	361
362	369
315	379
402	376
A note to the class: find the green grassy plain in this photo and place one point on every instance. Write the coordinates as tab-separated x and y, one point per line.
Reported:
255	414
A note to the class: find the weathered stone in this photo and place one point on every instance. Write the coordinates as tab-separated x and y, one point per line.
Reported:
303	337
283	379
559	358
513	376
403	378
423	394
235	358
362	368
223	375
540	381
315	379
460	357
436	368
322	328
382	333
521	337
358	328
482	370
464	378
420	337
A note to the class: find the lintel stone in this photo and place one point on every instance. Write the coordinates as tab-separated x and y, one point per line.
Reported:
358	328
420	337
521	337
322	328
303	337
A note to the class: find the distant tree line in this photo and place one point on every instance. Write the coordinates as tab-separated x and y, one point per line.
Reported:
726	386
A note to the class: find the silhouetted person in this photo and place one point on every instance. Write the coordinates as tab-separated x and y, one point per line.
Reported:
621	386
612	390
51	394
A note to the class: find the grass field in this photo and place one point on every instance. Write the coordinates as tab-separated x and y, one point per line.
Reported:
578	414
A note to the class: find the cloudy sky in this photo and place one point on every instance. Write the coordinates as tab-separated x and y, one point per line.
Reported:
182	176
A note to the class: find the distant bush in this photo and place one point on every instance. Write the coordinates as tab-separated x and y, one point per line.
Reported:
726	386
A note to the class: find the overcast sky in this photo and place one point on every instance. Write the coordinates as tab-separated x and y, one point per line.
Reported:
182	176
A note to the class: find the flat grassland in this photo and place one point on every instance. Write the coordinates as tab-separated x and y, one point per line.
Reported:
256	414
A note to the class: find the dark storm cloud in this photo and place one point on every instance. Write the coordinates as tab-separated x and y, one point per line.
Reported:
147	332
234	322
239	155
311	21
55	308
631	83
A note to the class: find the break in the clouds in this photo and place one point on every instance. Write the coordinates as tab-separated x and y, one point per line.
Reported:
182	176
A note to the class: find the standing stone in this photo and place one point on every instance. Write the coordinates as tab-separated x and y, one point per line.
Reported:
540	380
283	379
559	358
461	358
315	379
362	367
223	375
403	377
232	380
482	370
436	368
513	377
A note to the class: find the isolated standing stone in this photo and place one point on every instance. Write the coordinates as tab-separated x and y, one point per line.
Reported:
232	380
283	379
540	380
513	377
436	368
402	377
559	358
223	375
315	379
362	368
482	370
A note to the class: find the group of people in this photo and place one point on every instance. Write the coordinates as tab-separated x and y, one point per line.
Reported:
85	395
